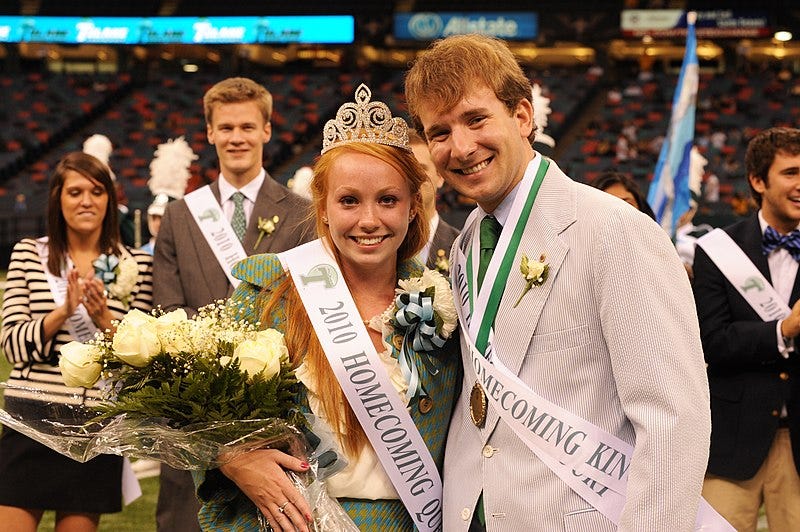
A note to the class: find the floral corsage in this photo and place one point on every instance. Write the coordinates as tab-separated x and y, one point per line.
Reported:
535	273
266	226
118	276
424	313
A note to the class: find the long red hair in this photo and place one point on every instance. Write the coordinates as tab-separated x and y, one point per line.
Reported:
305	347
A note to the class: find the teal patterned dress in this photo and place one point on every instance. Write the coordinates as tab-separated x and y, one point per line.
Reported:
225	508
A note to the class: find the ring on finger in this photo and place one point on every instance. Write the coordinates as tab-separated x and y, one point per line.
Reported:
282	507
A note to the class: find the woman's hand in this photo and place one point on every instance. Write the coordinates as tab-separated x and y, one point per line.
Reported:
94	299
56	318
74	292
260	475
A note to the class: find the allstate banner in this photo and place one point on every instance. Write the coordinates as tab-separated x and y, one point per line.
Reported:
426	26
669	192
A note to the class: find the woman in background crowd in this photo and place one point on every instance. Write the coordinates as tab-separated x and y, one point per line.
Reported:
625	188
60	288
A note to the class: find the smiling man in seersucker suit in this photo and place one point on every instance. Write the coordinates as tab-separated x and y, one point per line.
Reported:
753	358
187	271
608	331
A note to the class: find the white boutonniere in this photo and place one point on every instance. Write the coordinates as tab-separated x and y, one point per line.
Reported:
535	273
442	264
266	226
118	275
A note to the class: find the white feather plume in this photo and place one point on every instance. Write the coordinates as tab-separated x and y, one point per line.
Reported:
100	147
300	183
169	169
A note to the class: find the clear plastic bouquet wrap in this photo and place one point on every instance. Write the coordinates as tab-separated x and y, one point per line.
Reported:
193	393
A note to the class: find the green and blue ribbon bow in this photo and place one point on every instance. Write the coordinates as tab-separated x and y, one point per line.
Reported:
105	268
416	319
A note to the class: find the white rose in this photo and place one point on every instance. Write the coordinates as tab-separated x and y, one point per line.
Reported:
174	332
263	354
535	270
79	364
136	340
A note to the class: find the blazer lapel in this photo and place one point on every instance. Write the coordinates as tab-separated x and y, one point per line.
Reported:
269	203
751	245
208	266
553	211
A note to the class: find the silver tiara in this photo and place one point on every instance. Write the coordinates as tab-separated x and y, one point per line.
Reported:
365	121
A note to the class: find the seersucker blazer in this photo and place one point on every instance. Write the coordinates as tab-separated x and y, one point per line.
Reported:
612	336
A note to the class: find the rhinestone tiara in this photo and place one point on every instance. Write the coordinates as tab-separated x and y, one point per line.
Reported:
365	121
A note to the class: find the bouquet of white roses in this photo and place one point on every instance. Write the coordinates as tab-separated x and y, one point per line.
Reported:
190	392
209	368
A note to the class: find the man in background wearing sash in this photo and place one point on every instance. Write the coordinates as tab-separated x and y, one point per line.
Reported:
752	358
607	331
246	212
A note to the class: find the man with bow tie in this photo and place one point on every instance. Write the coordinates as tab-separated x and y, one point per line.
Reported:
747	290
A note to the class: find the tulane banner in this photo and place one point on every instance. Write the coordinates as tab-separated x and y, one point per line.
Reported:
333	29
669	193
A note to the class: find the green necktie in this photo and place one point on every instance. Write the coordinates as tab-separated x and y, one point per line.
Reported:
490	234
238	222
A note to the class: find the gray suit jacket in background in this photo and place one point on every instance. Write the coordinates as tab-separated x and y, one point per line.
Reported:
612	336
186	273
442	239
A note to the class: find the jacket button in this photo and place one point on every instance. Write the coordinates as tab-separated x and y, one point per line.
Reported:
783	376
425	405
466	514
488	451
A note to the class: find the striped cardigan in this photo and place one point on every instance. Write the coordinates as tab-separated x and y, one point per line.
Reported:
26	302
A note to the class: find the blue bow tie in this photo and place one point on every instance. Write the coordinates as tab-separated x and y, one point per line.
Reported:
773	240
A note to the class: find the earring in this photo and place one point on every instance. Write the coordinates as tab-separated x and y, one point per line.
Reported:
325	220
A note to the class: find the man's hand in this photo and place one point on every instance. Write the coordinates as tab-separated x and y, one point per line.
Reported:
791	323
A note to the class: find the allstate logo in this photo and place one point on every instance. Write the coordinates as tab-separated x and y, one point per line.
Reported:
425	25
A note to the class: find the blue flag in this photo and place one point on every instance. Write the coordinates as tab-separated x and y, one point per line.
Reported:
669	192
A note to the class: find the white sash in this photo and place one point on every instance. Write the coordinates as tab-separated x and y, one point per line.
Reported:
79	324
216	229
591	461
82	328
388	425
737	267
